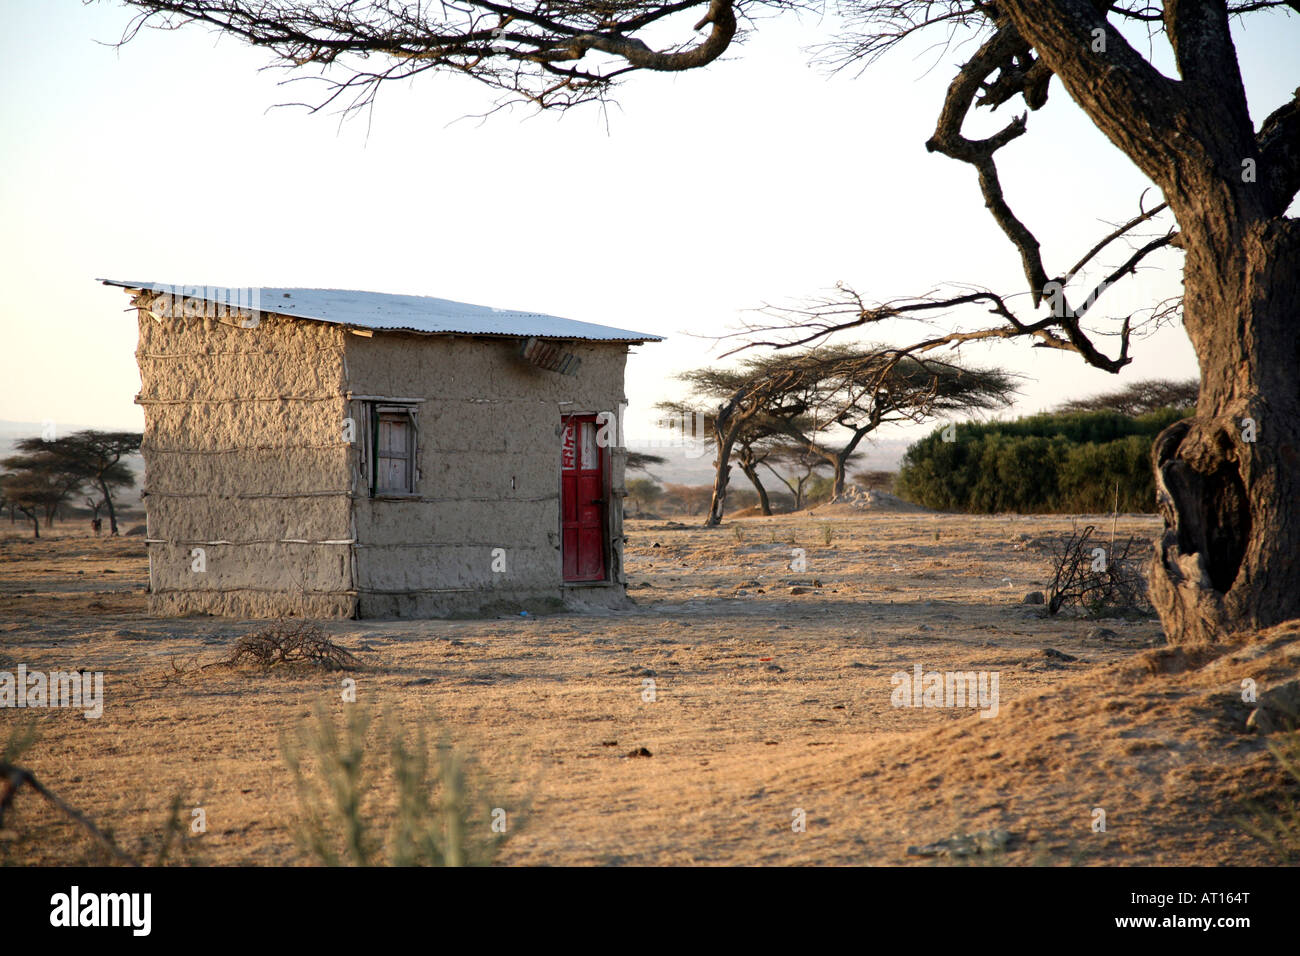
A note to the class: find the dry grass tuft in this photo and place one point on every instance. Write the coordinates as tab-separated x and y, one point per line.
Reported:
428	796
1279	826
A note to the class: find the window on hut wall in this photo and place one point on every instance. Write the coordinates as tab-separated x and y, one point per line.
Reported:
393	435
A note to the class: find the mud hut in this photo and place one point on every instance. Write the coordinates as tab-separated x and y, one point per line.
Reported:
328	453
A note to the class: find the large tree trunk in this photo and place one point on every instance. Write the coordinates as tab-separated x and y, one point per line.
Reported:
1227	561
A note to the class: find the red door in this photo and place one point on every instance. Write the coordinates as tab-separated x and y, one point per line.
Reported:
582	500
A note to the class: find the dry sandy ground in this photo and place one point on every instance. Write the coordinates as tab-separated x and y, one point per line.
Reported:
767	703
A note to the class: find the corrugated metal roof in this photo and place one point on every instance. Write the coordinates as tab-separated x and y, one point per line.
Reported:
406	313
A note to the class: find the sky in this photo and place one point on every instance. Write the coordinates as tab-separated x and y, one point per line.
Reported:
696	197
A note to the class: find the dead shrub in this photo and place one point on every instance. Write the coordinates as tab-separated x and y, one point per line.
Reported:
291	642
1101	580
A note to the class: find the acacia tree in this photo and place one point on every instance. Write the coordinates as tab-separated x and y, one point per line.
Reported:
92	458
863	389
801	399
1138	398
794	466
641	461
644	491
27	494
36	487
1227	478
749	455
752	399
755	434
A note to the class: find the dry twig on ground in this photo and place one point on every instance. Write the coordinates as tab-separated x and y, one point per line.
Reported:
291	642
1098	579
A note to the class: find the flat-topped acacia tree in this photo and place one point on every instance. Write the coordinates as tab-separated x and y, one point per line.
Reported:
1229	477
803	398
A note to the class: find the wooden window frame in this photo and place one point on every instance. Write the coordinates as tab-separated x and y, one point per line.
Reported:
377	410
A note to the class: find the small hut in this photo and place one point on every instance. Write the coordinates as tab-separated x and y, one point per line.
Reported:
326	453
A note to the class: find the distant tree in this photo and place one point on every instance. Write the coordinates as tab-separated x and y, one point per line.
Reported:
1139	398
639	461
644	492
875	480
33	490
819	491
39	483
23	499
863	389
94	505
853	390
755	435
1065	463
795	466
749	400
93	458
690	499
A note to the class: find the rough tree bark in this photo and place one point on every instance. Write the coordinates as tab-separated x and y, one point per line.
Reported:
1229	478
721	478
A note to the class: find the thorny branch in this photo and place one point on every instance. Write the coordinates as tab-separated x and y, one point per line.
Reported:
553	53
14	778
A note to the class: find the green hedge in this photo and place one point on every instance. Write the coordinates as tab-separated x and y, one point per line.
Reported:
1067	463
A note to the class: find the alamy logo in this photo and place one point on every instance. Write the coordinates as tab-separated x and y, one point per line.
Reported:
102	909
82	690
208	302
946	689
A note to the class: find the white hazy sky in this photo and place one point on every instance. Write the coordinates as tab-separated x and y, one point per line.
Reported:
697	197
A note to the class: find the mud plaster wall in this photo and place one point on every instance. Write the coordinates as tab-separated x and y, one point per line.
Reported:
245	458
488	418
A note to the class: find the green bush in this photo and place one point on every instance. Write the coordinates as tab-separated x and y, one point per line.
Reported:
1068	463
